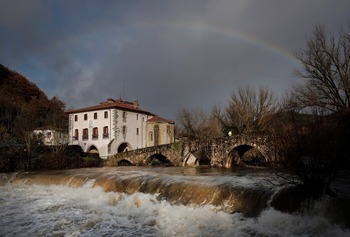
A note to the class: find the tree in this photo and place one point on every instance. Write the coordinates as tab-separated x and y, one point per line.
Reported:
313	149
195	123
313	146
56	116
249	110
25	125
326	72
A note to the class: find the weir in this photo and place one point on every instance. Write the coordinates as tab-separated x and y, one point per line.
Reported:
158	201
188	189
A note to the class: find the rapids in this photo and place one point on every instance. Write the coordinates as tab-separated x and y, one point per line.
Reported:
140	201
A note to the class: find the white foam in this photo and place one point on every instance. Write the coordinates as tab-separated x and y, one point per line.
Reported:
86	211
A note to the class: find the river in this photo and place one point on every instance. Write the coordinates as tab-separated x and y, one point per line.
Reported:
142	201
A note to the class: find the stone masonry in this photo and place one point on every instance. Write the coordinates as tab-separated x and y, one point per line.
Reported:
214	152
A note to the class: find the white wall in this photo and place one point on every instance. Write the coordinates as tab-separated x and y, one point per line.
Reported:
115	123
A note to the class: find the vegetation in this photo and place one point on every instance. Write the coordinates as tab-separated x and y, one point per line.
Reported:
313	151
23	108
195	123
316	150
326	72
249	110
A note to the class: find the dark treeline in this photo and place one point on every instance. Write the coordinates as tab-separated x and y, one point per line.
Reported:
24	107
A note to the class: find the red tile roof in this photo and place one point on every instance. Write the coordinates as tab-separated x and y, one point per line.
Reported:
158	119
111	104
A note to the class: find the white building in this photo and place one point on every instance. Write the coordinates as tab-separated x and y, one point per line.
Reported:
51	136
115	126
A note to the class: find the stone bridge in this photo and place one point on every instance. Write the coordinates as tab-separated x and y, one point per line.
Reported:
220	152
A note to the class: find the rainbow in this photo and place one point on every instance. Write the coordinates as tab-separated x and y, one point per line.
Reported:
185	27
224	32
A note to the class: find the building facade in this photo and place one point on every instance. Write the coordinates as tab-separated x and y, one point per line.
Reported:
116	126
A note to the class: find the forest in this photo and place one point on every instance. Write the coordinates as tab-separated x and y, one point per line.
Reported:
23	108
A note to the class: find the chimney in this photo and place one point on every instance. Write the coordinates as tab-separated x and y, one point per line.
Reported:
136	104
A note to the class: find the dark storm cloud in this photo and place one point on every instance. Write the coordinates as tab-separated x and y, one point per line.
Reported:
166	54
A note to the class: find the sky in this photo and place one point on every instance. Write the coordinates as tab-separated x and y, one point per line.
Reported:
168	55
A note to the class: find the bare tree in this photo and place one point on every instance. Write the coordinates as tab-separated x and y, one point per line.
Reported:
195	123
25	125
326	70
313	149
249	110
56	116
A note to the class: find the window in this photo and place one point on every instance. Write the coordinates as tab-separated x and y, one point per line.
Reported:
76	118
124	116
137	131
85	134
95	133
106	114
105	132
124	130
137	117
95	115
48	134
85	117
76	134
151	136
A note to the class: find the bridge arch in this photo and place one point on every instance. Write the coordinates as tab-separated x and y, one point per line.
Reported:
125	162
198	158
157	160
245	155
124	147
93	152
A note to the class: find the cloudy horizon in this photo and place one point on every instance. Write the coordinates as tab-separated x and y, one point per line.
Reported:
168	55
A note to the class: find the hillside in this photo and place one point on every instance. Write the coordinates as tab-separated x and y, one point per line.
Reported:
16	87
23	106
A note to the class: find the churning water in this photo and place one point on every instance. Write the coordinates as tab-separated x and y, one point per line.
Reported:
130	201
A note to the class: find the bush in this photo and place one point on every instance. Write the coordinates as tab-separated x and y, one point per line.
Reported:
314	153
91	161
